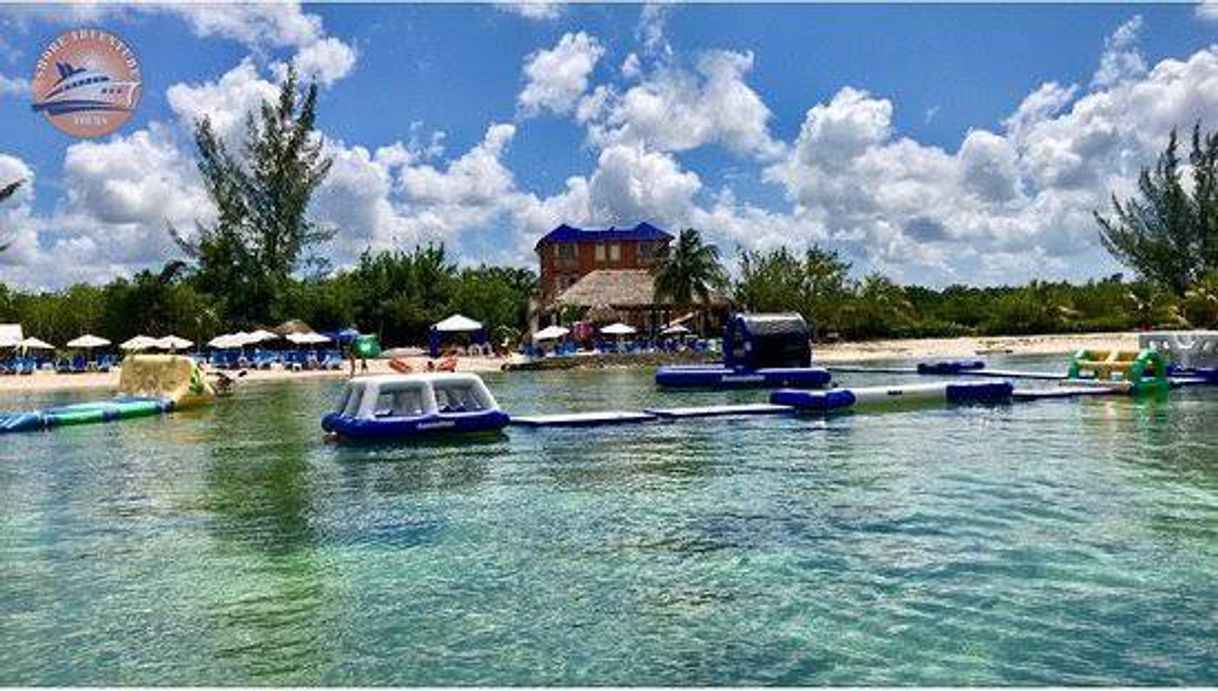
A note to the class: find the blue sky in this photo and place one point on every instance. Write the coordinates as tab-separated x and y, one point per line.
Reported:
884	131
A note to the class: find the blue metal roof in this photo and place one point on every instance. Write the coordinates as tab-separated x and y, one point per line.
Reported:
566	233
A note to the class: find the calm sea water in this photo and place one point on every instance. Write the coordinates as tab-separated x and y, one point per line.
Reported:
1055	542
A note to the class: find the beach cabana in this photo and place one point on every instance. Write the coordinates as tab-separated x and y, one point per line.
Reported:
457	323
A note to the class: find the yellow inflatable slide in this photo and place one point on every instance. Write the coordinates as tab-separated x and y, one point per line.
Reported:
175	378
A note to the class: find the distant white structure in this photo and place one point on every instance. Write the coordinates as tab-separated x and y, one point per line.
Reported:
1188	349
10	335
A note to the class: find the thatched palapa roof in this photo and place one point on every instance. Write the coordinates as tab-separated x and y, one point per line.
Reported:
618	288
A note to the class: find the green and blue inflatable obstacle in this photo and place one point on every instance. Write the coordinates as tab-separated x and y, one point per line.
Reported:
149	385
120	408
1141	371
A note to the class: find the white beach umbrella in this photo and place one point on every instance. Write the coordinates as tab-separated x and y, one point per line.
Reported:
222	341
307	338
262	335
138	343
456	323
88	341
618	329
674	330
550	333
172	342
32	343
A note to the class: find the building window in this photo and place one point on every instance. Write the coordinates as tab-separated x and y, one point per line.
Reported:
600	253
566	251
615	252
647	251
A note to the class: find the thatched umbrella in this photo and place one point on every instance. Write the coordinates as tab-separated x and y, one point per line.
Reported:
292	326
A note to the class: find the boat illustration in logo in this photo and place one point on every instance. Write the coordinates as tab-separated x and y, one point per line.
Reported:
82	89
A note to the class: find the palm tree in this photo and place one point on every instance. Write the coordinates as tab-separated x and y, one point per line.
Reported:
688	272
6	192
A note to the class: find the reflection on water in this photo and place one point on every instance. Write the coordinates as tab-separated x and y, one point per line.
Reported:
1055	542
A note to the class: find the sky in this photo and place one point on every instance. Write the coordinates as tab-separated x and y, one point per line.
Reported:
939	143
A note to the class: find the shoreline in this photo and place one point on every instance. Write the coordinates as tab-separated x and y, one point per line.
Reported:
12	386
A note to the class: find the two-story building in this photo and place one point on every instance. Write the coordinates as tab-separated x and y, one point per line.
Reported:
567	254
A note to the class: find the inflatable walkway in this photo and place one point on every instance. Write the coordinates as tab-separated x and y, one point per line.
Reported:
148	385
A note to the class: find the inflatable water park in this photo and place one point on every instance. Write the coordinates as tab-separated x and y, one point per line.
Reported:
148	385
768	351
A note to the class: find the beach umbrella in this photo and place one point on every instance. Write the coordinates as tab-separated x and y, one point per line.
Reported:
138	343
222	342
88	341
172	342
307	338
550	333
262	335
32	343
618	329
674	330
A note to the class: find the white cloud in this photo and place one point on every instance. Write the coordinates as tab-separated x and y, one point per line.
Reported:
226	101
676	109
1121	59
1208	10
17	228
325	61
1003	207
538	11
276	24
13	86
650	29
555	79
1045	102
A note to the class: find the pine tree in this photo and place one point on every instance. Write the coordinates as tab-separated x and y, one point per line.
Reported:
263	233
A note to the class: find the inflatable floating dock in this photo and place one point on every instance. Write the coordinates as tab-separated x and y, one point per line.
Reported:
721	377
148	385
871	396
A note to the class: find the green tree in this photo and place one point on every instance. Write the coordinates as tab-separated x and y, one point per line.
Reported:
688	272
263	233
5	192
816	285
879	307
1166	233
1200	303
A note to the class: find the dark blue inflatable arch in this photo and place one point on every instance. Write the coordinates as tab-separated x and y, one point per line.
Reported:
756	341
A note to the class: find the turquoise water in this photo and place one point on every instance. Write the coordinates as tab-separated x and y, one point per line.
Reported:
1055	542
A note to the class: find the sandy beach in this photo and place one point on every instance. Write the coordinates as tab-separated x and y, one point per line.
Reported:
1055	344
